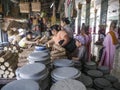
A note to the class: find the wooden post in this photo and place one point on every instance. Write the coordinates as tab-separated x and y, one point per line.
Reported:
78	19
95	20
103	14
87	19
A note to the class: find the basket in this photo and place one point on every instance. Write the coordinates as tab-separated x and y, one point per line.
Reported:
36	6
24	7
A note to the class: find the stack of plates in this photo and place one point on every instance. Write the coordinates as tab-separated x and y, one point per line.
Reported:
111	78
22	85
36	71
65	73
39	57
109	89
68	84
90	66
104	69
63	63
117	85
95	73
101	83
86	80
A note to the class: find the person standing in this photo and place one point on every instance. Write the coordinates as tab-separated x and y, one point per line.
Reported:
109	43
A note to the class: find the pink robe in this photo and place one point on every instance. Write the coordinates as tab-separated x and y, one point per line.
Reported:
107	58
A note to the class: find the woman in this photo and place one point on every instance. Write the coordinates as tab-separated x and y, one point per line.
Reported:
65	25
60	37
27	40
109	43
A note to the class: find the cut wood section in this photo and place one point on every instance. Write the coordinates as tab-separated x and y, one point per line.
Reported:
13	59
5	48
5	76
59	54
5	57
20	64
2	53
3	67
11	75
22	60
13	67
7	72
1	72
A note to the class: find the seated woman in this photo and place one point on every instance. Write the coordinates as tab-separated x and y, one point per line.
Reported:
60	37
27	40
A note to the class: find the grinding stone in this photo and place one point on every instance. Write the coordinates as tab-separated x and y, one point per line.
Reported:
32	70
109	89
22	85
90	65
63	63
86	80
65	73
91	89
40	48
68	84
111	78
95	73
78	65
102	83
103	69
117	85
38	56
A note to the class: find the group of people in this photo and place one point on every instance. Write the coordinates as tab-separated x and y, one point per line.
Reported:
77	46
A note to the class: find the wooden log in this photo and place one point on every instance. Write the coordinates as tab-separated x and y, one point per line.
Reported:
54	52
7	72
5	49
13	67
59	54
11	75
20	64
2	53
5	76
5	57
3	67
1	76
13	59
1	72
22	60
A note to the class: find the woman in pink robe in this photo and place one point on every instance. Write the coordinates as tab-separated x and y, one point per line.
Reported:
109	43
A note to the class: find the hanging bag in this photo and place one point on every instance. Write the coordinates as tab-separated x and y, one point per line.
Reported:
36	6
24	7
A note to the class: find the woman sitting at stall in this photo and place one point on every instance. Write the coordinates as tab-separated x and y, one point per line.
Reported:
27	40
60	37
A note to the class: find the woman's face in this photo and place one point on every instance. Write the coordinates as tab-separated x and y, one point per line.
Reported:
54	32
62	23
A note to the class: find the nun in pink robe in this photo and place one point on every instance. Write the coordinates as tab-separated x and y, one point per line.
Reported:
109	43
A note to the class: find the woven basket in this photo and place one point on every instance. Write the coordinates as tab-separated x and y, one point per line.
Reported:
36	6
25	7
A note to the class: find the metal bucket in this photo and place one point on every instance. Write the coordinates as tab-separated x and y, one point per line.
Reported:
22	85
65	73
68	84
36	72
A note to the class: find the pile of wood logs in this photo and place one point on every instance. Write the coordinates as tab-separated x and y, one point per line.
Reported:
13	49
23	57
8	64
58	52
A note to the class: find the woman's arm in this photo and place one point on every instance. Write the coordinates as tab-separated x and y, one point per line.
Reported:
66	40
